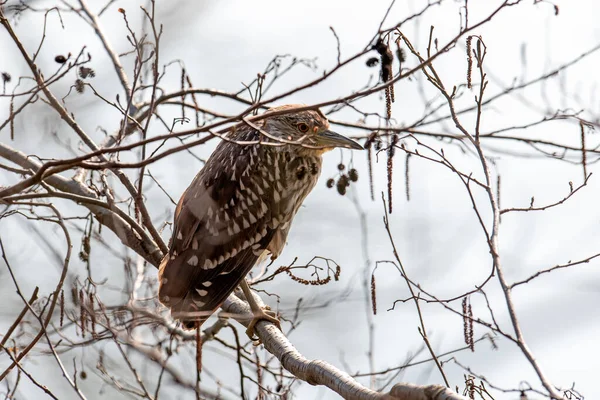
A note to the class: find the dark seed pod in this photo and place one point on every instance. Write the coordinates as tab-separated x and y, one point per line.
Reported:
83	256
372	62
341	166
341	188
79	86
6	77
83	375
86	72
344	181
86	244
378	145
330	183
60	59
387	58
353	175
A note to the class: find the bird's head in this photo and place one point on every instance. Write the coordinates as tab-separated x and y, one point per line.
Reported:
309	127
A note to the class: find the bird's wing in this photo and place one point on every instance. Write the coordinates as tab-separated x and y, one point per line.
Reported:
223	222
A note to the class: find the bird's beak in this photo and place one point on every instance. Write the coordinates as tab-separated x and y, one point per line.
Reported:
331	139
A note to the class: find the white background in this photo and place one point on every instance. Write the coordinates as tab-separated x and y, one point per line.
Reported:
440	241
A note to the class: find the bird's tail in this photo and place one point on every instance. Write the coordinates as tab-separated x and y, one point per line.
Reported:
174	291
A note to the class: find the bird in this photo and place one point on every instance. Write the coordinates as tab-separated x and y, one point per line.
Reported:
239	208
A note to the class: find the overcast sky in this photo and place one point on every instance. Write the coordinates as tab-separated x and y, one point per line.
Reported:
225	43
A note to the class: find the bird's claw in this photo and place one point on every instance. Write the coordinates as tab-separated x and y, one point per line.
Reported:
264	314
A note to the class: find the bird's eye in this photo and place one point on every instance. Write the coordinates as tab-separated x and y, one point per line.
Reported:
302	127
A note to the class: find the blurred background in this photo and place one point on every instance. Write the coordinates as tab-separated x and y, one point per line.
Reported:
224	45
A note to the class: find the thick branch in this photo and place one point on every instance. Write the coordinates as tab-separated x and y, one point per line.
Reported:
70	120
317	372
135	239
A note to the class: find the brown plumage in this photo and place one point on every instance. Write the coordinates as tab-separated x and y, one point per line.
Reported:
240	205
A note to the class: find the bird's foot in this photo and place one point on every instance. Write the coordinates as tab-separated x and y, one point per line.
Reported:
262	314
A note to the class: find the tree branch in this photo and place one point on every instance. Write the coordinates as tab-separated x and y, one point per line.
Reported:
136	239
317	372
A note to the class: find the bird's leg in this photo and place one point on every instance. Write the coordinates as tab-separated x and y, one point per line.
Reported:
259	312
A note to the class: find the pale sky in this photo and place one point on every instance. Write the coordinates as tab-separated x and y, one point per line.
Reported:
225	43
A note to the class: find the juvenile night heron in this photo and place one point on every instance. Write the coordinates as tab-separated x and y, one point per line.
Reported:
239	208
